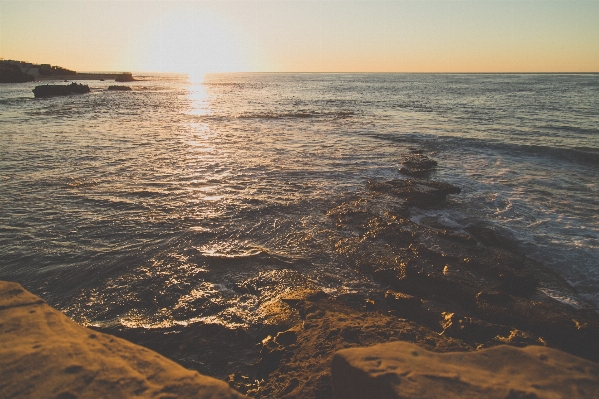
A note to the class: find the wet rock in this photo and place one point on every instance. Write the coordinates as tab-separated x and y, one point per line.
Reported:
401	302
270	357
303	369
286	338
518	283
559	326
417	165
119	88
416	192
493	297
240	382
354	212
493	288
490	237
463	239
60	90
404	370
471	329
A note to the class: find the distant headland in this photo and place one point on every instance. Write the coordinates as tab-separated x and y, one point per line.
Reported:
12	71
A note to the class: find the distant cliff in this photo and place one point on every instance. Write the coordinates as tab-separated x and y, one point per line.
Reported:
12	74
12	71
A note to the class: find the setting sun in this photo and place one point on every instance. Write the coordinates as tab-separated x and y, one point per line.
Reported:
190	42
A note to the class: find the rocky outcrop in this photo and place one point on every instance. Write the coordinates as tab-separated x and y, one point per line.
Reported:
125	77
416	192
44	354
404	370
119	88
417	164
60	90
474	287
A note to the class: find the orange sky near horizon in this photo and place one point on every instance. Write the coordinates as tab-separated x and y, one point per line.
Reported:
304	36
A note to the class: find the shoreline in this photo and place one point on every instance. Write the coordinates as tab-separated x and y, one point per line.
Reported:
45	354
84	76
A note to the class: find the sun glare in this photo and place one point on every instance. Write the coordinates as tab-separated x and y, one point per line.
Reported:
192	43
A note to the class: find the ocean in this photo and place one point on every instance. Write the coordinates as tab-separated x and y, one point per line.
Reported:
151	208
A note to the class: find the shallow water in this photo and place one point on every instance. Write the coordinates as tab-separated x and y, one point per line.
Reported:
152	207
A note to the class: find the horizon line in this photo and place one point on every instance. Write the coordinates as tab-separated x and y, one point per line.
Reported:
364	72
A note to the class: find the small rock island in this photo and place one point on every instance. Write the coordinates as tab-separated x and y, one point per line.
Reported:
60	90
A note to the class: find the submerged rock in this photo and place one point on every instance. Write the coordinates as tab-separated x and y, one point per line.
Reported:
416	192
417	164
60	90
404	370
119	88
44	354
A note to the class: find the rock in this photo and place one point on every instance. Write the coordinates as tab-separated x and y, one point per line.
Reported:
60	90
286	338
418	165
297	363
118	88
416	192
402	302
404	370
125	77
44	354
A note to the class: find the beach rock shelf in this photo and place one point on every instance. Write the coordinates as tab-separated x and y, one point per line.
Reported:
44	354
60	90
402	370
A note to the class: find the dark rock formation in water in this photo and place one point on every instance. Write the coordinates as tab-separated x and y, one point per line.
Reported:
119	88
44	354
416	192
125	77
417	164
60	90
404	370
13	74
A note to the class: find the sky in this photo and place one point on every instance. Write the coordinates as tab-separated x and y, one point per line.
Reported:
304	36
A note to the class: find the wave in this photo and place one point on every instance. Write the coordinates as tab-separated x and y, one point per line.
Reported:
300	114
583	155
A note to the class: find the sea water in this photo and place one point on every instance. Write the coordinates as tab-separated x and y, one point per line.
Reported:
149	207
